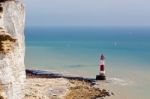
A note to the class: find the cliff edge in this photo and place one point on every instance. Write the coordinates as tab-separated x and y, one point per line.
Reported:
12	49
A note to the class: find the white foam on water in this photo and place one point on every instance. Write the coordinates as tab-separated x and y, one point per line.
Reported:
119	81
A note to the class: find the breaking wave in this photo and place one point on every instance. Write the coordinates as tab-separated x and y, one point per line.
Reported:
119	81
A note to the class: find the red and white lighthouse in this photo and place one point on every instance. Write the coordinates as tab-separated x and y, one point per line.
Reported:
102	65
101	75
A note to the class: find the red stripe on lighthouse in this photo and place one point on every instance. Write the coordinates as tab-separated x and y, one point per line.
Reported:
102	68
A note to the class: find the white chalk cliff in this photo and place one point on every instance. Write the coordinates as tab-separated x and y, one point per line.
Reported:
12	49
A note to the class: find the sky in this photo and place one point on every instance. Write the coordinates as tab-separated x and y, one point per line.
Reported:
94	13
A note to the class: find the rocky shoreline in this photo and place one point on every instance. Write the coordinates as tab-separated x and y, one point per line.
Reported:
47	74
47	85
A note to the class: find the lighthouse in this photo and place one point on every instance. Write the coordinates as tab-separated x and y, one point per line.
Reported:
101	75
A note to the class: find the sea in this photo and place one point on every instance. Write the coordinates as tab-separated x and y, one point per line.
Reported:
77	50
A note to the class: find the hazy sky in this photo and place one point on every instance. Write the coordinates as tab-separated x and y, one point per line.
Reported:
87	12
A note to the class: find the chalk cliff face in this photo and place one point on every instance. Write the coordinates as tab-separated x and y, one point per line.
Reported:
12	49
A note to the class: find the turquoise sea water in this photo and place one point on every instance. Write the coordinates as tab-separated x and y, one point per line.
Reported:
77	51
81	47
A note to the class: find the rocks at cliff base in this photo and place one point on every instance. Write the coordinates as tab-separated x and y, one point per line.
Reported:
49	85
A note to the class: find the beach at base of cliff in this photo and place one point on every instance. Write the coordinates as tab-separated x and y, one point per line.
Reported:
43	84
